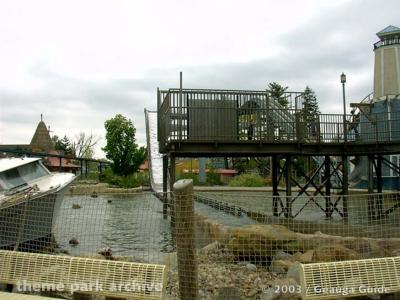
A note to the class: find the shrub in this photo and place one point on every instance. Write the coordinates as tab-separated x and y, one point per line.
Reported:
130	181
247	180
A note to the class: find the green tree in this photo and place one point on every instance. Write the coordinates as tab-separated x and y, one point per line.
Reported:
121	148
277	92
63	144
310	110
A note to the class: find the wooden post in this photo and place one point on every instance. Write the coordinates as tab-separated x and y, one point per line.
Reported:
165	186
185	243
275	192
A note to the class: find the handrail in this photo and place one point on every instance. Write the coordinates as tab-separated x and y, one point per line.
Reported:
387	42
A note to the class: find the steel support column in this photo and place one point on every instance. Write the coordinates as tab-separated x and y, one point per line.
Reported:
165	187
345	187
288	180
275	192
327	179
171	187
379	200
371	204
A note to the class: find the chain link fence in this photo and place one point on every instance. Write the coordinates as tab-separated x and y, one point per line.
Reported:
222	245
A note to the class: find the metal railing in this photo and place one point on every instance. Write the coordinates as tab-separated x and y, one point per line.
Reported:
387	42
248	116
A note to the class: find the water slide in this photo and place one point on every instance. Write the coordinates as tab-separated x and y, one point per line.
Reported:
154	156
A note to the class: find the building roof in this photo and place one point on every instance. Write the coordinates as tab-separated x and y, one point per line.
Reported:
65	163
388	31
53	161
41	140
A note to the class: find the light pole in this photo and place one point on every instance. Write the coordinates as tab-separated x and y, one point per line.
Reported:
345	173
343	81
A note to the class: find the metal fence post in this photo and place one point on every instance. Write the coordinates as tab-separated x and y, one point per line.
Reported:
185	243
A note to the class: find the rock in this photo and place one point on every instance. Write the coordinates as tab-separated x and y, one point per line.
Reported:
106	252
76	206
367	248
280	266
281	255
251	267
73	242
306	257
169	249
270	294
94	194
214	246
295	271
256	242
328	253
231	293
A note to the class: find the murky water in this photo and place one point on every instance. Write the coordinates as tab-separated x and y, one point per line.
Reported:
131	225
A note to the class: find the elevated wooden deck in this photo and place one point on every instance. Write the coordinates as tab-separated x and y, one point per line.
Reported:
251	123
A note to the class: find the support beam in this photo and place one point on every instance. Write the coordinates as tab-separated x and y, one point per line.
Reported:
275	192
288	179
371	204
171	184
165	187
379	184
327	179
345	185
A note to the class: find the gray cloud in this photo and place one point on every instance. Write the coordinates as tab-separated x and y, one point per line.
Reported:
314	54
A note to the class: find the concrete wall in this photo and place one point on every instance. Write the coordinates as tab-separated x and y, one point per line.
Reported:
387	71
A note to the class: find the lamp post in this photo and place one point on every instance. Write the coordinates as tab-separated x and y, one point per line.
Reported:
345	173
343	81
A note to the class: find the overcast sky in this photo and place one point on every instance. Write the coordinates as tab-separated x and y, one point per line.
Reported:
81	62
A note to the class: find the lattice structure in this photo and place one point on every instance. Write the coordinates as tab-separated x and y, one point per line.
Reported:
349	278
71	274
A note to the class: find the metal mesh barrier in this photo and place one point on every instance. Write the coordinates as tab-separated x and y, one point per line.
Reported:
117	239
246	247
242	244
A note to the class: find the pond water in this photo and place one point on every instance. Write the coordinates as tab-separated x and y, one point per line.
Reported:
133	225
